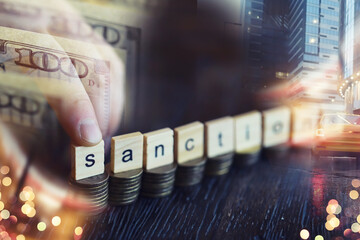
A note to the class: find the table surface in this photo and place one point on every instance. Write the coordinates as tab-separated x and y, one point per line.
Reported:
274	199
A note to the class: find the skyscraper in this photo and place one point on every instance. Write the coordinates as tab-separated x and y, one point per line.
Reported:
313	53
350	55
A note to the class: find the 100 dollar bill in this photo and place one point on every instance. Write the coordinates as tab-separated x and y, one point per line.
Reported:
119	26
41	55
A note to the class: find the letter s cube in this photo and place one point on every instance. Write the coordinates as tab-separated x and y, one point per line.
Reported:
87	161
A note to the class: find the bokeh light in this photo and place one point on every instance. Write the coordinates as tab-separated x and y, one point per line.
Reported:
5	214
4	170
41	226
56	221
319	237
329	217
26	208
13	219
304	234
334	222
20	237
347	233
354	194
6	181
32	213
338	209
355	227
355	183
328	226
333	202
78	231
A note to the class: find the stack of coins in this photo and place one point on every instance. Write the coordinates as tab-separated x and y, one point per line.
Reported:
158	182
94	191
277	152
246	159
219	165
190	173
124	187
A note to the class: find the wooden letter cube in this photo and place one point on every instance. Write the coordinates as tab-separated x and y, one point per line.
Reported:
219	136
304	124
248	132
276	126
127	152
158	148
189	142
87	161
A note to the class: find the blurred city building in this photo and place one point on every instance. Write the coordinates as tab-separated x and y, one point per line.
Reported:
313	54
262	29
350	55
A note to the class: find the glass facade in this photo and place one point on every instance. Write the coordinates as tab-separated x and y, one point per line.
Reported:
253	25
350	55
313	52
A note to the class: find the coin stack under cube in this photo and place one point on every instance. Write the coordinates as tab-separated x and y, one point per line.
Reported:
124	187
219	165
94	191
190	173
158	182
219	146
246	159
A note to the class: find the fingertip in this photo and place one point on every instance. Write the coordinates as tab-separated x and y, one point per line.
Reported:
89	132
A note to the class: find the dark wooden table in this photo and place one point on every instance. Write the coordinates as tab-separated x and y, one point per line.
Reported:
273	199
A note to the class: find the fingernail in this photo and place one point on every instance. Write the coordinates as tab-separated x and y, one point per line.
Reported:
89	131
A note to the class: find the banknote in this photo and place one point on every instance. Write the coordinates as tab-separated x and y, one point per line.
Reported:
91	21
21	101
68	61
122	27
